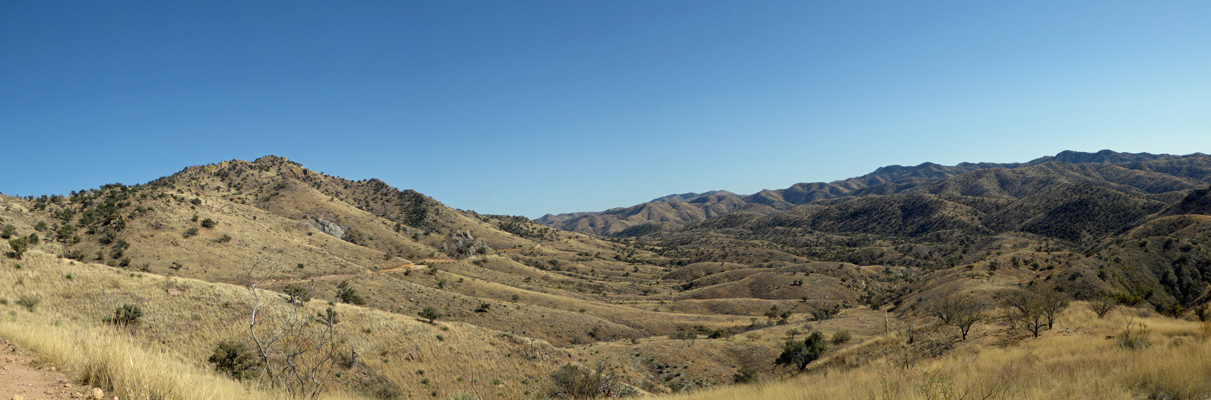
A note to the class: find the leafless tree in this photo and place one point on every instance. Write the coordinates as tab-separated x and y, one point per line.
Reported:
1102	305
1031	309
960	311
298	351
1054	303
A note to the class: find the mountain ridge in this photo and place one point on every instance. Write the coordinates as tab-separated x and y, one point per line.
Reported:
981	179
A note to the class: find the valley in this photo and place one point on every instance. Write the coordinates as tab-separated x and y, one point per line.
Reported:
376	292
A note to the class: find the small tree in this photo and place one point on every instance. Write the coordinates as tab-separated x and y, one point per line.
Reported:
346	294
959	311
19	246
1054	303
1102	305
799	354
430	314
297	294
1026	309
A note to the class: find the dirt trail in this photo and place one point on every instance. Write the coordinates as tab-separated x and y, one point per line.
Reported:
21	378
406	267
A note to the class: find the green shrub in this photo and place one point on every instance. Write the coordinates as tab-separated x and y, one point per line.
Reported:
298	294
799	354
19	246
125	315
346	294
234	359
191	232
430	314
8	232
209	223
745	375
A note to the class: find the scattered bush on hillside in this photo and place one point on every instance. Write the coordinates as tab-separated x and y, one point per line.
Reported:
297	295
348	295
8	232
235	360
191	232
841	337
577	382
19	246
125	315
29	301
745	375
430	314
209	223
799	354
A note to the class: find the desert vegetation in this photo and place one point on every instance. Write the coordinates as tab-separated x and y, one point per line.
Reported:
267	280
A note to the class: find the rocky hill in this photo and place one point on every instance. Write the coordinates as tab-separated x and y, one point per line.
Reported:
1142	174
512	301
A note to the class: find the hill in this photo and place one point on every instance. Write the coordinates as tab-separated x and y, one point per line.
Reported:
410	298
1137	174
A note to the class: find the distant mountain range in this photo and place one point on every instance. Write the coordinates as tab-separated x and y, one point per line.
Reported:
1151	177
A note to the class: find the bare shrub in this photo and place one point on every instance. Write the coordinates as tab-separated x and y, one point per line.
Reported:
297	352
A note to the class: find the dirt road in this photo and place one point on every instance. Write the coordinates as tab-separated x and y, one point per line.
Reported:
22	378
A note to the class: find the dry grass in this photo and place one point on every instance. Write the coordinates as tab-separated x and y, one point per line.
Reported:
163	356
1076	362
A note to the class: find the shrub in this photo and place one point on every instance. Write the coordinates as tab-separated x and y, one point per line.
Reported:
19	246
209	223
585	383
799	354
348	295
430	314
234	359
298	294
840	337
125	315
29	301
1135	339
191	232
8	232
745	375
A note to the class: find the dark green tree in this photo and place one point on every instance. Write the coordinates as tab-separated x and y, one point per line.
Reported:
298	294
430	314
19	246
234	359
346	294
799	354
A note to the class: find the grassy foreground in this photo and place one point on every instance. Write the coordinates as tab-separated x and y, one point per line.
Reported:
1081	359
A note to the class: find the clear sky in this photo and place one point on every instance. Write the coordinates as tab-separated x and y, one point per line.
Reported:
528	108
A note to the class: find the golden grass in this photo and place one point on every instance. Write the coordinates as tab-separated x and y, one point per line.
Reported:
106	358
1075	361
163	356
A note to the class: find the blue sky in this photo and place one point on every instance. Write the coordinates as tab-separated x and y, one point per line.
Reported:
528	108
